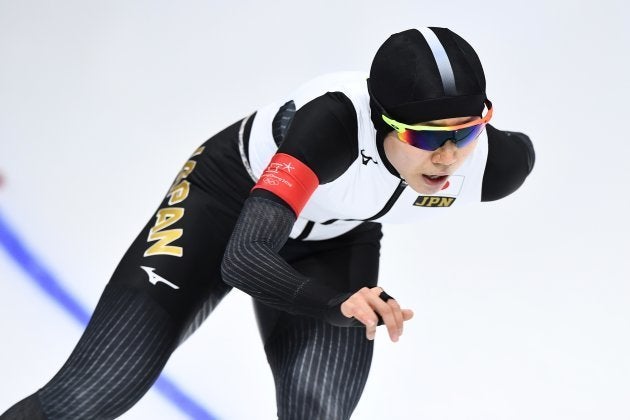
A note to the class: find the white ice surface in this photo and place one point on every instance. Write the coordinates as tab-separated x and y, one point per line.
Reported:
522	305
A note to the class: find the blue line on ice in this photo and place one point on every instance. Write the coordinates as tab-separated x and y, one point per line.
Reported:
16	249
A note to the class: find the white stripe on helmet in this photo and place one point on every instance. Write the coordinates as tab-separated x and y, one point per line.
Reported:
443	63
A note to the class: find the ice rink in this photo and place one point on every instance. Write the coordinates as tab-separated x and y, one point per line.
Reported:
522	306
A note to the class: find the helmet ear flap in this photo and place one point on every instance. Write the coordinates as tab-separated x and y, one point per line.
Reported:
376	112
375	115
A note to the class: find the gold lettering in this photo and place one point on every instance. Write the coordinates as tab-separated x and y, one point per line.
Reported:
165	218
162	247
423	202
186	170
428	201
199	151
168	216
178	193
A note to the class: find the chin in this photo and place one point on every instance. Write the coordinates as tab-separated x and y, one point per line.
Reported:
424	189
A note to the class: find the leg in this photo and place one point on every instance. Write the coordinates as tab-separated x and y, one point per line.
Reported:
320	370
120	355
167	282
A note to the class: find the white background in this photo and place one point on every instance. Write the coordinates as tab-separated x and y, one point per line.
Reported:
522	306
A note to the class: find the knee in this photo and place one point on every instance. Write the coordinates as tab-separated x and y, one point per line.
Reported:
312	400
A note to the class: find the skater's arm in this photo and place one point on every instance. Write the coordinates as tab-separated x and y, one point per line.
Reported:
251	263
317	145
320	144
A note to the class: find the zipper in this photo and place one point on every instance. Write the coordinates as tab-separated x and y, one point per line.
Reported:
388	206
392	200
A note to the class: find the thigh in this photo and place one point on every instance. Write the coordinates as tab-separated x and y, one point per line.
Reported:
176	258
320	370
346	263
166	283
146	310
120	354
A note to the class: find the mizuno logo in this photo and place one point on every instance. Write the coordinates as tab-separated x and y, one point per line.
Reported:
365	159
155	278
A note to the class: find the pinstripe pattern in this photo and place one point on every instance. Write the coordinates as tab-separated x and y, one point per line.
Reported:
320	370
30	408
282	121
251	262
120	355
218	293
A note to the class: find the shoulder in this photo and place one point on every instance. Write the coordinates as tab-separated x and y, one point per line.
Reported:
323	135
511	158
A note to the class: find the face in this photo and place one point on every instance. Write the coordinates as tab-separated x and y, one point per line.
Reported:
426	172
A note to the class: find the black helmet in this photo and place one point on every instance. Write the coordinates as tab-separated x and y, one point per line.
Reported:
423	75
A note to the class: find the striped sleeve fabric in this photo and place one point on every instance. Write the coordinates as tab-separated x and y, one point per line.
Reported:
251	263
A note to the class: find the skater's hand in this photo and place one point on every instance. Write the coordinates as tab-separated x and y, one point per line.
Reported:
366	305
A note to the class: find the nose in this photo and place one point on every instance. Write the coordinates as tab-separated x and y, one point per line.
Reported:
445	155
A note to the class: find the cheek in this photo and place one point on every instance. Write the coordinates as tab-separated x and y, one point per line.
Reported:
406	159
466	151
463	154
416	159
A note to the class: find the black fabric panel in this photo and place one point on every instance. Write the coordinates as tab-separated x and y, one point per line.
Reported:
210	213
121	353
336	360
247	129
282	121
405	79
260	192
30	408
319	370
307	231
323	135
252	264
380	140
511	158
345	263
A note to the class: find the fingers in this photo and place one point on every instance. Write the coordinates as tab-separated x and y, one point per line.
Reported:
407	314
367	304
368	317
398	315
387	311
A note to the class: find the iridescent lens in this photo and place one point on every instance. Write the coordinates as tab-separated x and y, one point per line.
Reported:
432	140
464	136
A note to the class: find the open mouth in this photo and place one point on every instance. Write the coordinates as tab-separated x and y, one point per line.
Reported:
434	179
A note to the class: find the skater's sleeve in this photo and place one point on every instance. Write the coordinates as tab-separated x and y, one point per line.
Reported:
251	263
511	159
323	135
317	148
319	145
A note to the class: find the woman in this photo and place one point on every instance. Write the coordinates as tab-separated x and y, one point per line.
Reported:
287	205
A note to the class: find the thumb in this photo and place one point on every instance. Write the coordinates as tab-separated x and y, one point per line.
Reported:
407	314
